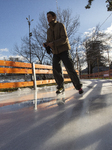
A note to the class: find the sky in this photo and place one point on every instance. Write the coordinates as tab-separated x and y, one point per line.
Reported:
14	26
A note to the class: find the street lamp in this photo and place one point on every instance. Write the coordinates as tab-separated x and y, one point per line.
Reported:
30	34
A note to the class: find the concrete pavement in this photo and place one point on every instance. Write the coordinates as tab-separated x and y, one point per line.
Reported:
83	123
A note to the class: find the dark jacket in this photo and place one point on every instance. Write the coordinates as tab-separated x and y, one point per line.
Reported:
58	35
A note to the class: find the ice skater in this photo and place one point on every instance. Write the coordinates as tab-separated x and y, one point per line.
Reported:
57	41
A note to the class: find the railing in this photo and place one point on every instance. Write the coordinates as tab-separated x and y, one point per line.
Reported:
99	75
20	68
10	67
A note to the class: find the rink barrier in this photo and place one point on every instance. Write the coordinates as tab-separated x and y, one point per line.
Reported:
11	67
100	75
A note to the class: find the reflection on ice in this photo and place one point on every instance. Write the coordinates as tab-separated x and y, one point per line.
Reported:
28	95
46	94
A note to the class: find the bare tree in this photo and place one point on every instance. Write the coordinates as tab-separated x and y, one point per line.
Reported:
40	32
71	23
24	50
39	36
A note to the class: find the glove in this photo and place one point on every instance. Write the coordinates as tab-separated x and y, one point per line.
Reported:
48	49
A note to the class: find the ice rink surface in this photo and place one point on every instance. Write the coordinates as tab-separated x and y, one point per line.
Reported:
82	123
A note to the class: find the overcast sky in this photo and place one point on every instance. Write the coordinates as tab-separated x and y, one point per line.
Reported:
14	26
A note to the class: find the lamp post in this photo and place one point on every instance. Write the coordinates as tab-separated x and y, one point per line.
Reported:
30	34
108	62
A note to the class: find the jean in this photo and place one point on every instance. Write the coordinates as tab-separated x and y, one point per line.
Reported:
65	57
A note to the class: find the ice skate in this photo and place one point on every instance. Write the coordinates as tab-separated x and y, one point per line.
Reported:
60	90
81	92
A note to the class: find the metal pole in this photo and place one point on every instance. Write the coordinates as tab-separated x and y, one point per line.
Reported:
34	85
98	66
109	63
29	39
57	9
89	69
30	34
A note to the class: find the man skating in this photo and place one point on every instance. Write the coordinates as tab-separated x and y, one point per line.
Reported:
57	40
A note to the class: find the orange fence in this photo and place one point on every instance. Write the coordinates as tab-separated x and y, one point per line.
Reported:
102	75
10	67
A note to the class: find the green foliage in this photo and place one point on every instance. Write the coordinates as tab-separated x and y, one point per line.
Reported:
109	4
89	4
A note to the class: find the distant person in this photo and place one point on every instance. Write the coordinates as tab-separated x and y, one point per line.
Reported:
57	40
